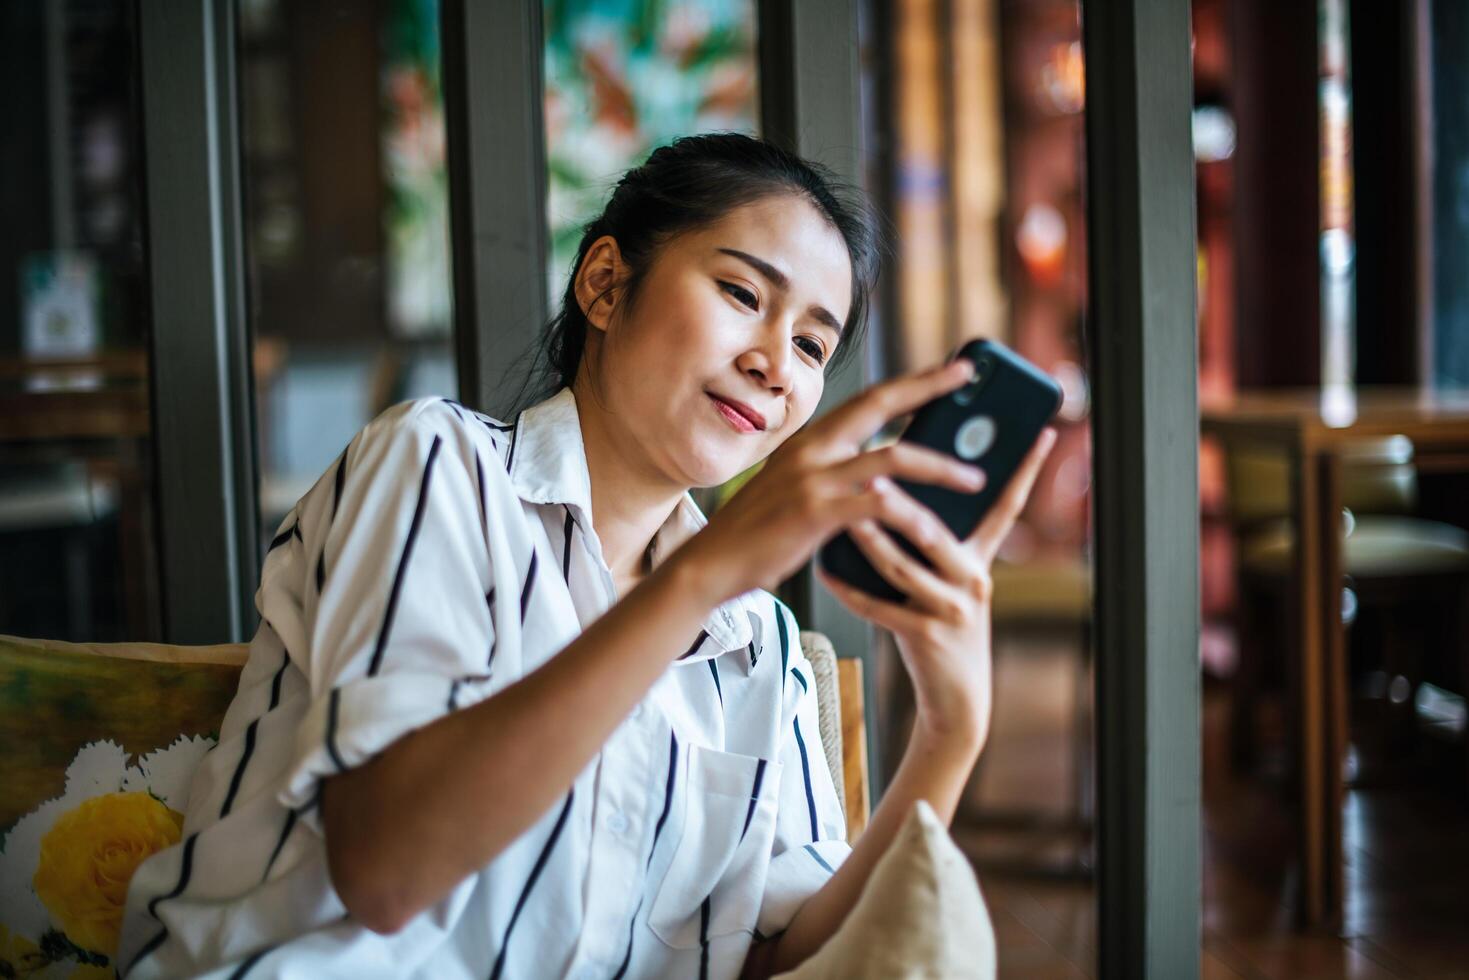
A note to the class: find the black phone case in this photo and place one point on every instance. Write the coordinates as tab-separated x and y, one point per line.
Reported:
1019	398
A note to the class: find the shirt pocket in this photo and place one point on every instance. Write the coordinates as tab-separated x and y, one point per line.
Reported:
723	851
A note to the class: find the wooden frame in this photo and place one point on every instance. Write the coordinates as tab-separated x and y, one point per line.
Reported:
856	777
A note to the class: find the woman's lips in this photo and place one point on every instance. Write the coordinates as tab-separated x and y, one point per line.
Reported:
733	417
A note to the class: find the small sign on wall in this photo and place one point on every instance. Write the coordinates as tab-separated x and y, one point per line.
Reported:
60	295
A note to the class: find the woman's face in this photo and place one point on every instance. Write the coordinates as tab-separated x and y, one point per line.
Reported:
721	359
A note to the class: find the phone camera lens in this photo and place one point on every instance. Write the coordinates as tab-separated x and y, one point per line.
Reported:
966	394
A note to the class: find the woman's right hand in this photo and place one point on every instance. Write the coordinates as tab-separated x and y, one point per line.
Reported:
820	481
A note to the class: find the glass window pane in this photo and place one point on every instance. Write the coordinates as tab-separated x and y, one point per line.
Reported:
76	500
621	79
625	77
988	128
346	218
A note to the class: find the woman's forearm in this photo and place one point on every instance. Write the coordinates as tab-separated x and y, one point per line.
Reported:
442	802
935	769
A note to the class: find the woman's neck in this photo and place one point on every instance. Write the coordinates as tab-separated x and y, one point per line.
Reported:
630	501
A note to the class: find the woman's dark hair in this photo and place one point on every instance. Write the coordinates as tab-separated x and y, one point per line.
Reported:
686	186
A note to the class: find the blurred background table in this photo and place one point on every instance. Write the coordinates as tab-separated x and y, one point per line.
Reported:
1314	429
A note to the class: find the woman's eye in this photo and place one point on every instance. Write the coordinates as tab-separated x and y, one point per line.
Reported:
740	293
814	349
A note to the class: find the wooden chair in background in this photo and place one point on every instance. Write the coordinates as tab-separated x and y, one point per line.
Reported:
1393	563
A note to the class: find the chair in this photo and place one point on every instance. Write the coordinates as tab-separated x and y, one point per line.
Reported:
843	725
1389	558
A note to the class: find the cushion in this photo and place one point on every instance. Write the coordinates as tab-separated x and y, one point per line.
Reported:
921	914
1375	545
98	745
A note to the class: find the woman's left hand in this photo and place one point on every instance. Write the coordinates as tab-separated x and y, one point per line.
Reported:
943	631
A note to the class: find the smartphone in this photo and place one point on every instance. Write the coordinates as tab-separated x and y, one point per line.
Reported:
991	422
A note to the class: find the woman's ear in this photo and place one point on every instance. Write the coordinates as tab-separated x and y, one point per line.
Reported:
597	279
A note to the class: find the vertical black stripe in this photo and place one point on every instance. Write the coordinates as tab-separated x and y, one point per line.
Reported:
703	635
239	776
530	883
785	640
753	655
714	669
454	694
454	407
704	939
423	490
566	546
806	772
530	578
490	603
291	816
185	872
331	730
514	431
337	480
667	796
281	538
275	684
800	677
754	796
479	475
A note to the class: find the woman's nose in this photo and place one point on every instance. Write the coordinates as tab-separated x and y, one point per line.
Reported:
770	363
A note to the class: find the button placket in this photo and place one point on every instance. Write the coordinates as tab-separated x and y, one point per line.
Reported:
617	856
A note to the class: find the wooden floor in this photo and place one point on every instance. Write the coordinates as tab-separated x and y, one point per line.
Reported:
1407	841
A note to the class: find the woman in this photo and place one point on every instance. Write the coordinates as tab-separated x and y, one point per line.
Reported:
514	710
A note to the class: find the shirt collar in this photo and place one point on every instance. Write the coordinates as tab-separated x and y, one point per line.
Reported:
548	465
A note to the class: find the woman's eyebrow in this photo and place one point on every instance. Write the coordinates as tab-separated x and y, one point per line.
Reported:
782	282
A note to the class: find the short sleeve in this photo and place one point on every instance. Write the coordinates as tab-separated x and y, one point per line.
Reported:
402	630
810	831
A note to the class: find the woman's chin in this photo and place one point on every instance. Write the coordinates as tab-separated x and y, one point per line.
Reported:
712	469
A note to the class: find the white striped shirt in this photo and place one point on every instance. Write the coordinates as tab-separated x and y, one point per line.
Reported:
444	556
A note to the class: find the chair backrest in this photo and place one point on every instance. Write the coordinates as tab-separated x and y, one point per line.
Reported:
56	698
215	669
1378	477
840	706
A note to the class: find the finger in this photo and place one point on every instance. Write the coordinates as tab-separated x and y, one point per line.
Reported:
924	589
859	418
924	529
909	461
997	523
879	612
